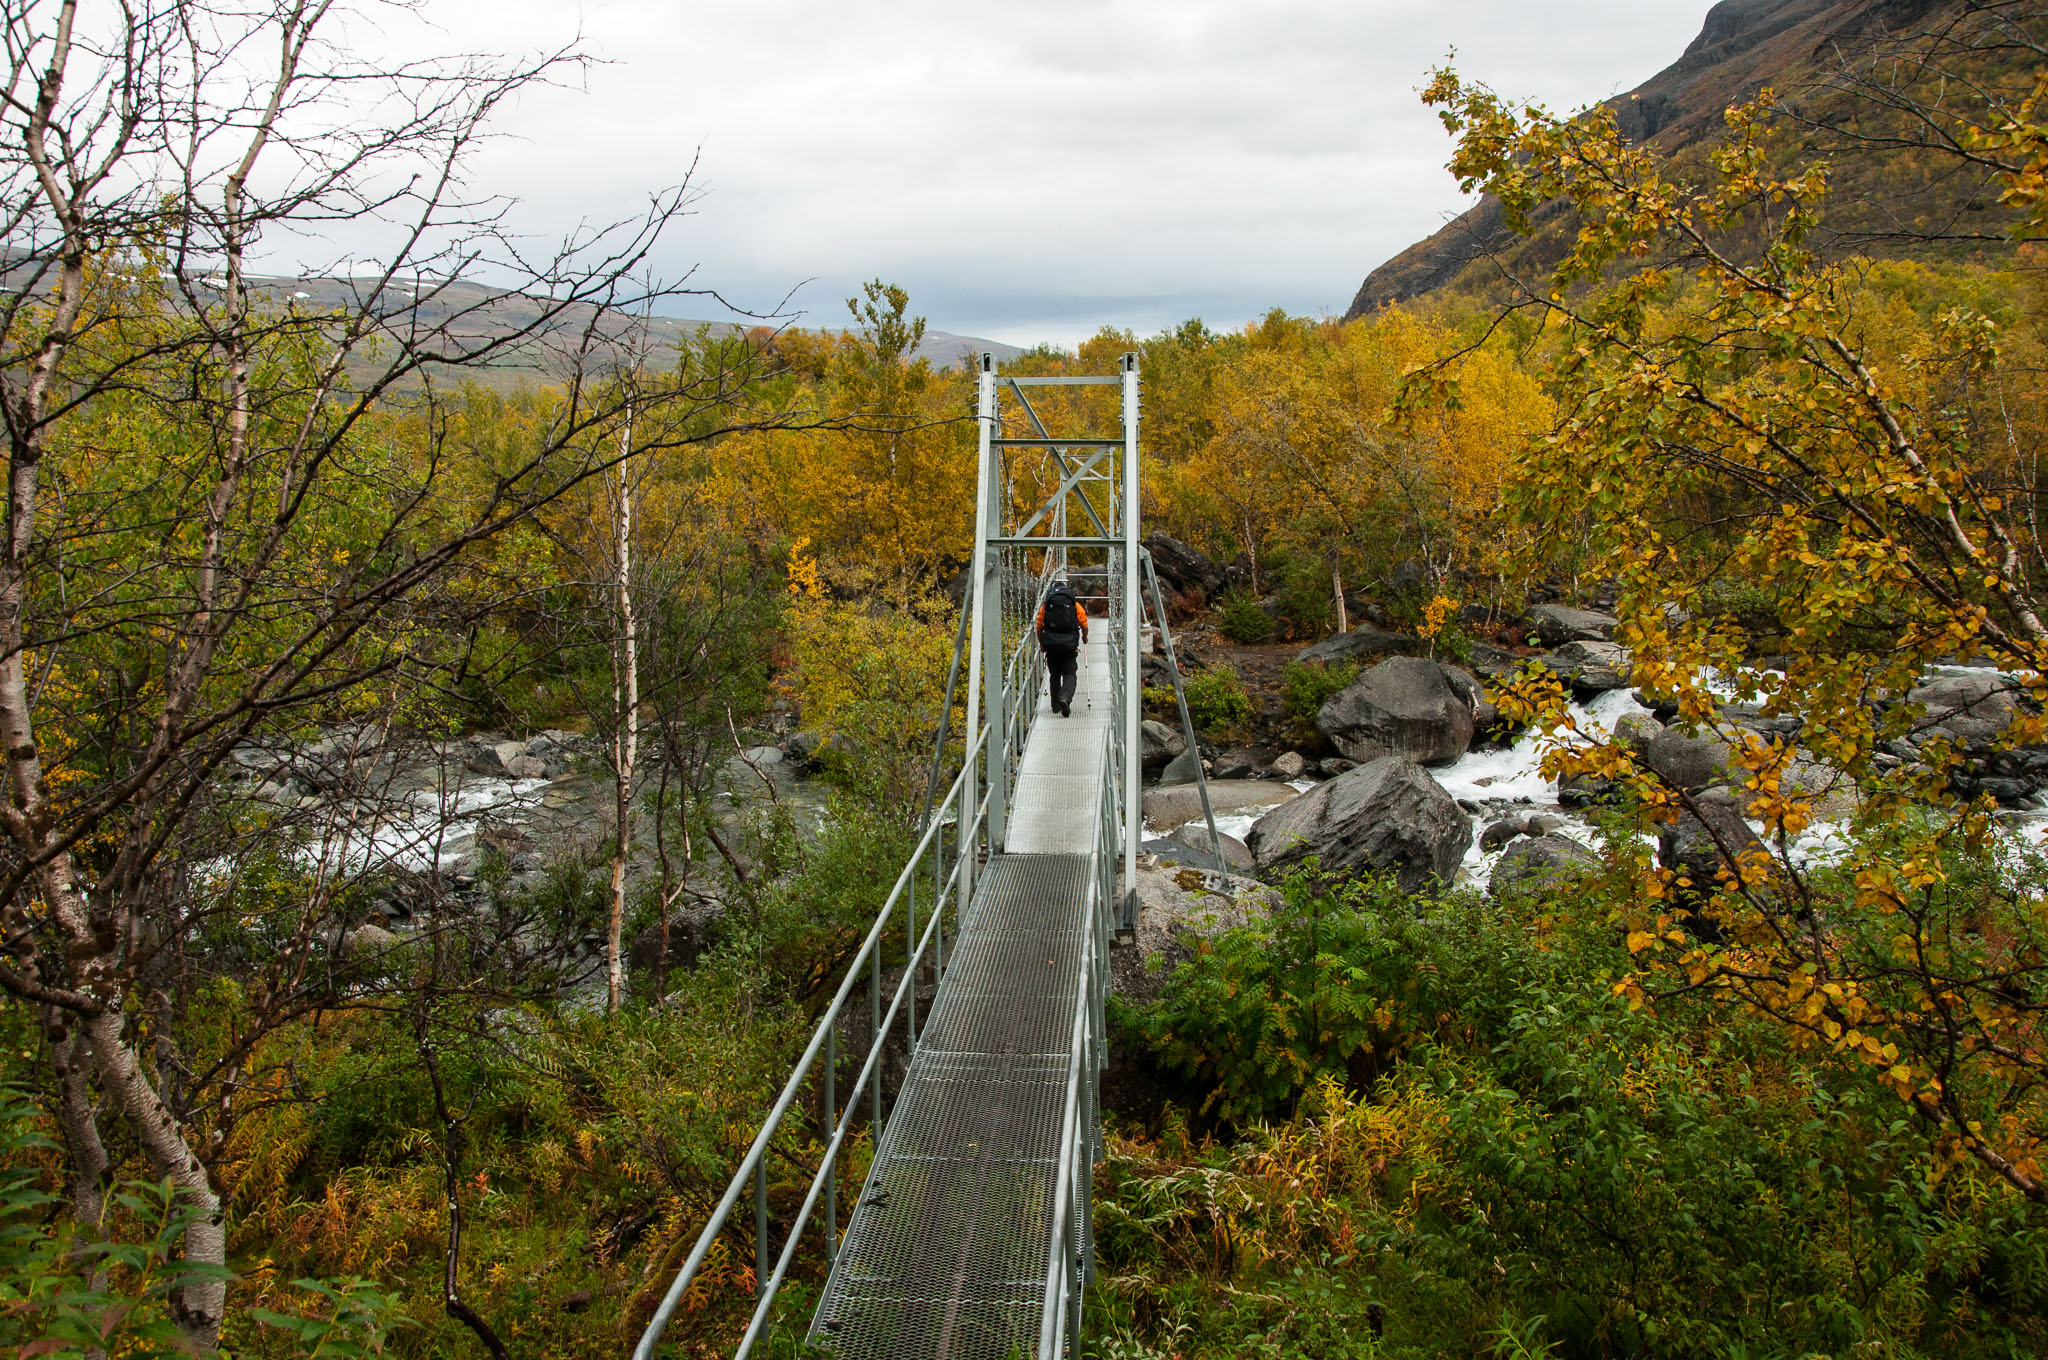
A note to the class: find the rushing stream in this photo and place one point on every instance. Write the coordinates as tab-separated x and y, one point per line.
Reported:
1509	781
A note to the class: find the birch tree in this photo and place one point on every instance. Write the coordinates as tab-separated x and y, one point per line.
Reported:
270	540
1887	512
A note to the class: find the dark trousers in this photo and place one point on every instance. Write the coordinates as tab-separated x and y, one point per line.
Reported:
1060	663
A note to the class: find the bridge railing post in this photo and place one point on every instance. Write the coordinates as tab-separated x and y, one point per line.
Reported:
984	664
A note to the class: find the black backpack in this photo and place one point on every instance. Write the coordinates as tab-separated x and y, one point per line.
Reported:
1062	623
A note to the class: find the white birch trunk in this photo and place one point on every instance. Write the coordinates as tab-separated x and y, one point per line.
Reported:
626	704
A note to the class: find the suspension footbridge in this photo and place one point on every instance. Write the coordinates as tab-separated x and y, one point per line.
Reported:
971	1235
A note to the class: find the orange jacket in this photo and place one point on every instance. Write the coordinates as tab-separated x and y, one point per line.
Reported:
1080	612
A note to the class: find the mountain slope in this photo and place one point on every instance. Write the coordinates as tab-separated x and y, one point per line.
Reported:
1794	46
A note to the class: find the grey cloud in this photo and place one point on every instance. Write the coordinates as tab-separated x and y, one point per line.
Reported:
1034	170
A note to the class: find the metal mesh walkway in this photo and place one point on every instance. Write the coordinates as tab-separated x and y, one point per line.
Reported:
1059	780
946	1253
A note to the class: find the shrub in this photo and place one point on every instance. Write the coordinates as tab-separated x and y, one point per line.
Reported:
1261	1013
1216	700
1305	686
1243	620
1302	588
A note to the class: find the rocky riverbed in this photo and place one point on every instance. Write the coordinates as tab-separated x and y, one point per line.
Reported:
1443	802
1420	787
360	800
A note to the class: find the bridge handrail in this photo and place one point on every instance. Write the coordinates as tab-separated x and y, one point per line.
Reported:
1061	1249
829	1163
1069	1260
820	1037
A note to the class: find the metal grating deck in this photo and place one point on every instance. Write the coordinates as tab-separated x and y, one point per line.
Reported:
945	1255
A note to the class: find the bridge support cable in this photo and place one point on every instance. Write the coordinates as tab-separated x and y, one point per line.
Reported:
1187	725
973	1233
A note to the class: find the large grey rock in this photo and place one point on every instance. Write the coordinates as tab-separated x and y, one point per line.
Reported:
689	935
1557	624
1485	716
2010	792
492	756
1181	568
1465	685
1387	816
1184	768
1404	706
1170	807
348	742
262	759
1175	914
370	945
1235	853
1637	731
1363	644
1584	790
1486	725
1835	795
1499	833
1540	864
528	767
1975	707
1158	743
744	771
1238	764
1490	662
1596	667
1289	765
1700	847
1687	762
1755	719
1180	855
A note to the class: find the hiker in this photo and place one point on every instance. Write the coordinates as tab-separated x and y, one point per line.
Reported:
1062	628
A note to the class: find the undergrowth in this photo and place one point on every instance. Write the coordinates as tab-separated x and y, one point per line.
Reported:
1442	1135
1216	698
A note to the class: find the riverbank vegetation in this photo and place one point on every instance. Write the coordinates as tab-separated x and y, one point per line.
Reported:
1445	1134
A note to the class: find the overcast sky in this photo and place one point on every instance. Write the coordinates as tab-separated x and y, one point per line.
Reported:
1034	170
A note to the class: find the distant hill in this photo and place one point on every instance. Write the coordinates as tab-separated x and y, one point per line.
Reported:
474	310
1880	202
